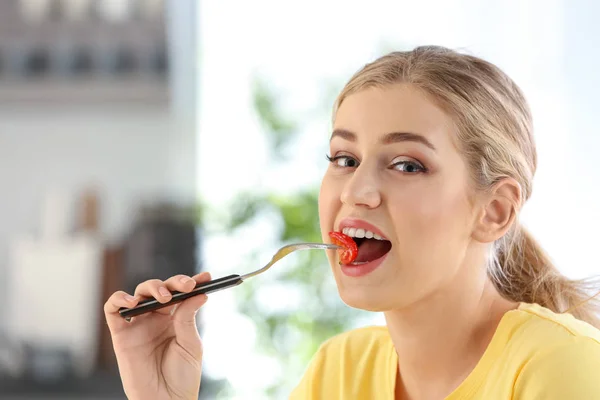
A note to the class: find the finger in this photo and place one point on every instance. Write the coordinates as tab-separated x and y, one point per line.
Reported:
184	323
184	283
161	291
181	283
202	277
157	289
154	288
113	304
184	319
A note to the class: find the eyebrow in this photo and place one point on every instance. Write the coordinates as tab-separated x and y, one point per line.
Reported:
388	138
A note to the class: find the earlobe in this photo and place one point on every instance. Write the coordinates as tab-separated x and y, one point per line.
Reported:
498	211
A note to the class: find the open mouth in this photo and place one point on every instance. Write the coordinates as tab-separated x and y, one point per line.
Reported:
359	246
370	249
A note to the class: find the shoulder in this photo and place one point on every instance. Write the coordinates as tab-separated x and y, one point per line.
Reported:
563	356
569	370
555	326
536	330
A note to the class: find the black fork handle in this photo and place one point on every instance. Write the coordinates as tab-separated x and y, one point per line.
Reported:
149	305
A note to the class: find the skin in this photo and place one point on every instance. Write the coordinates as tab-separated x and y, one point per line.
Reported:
433	280
422	198
159	354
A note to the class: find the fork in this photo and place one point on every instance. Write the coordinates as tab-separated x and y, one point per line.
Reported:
214	285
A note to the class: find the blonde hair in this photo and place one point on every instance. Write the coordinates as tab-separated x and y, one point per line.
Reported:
495	135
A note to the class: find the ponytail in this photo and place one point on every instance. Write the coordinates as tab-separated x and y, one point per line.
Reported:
523	272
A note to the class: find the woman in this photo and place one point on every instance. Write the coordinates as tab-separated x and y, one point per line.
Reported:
432	157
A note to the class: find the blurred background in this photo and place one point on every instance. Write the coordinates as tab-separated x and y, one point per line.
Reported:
146	138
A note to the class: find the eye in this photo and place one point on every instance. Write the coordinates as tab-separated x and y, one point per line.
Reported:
408	166
343	161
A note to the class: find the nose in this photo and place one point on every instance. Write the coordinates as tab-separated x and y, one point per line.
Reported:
362	189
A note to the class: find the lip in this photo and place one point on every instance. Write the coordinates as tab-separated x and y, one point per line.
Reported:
362	224
355	271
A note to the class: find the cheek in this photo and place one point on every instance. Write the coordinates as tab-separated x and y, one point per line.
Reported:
442	211
433	221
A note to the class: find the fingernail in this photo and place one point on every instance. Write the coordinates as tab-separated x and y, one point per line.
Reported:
164	291
185	279
129	297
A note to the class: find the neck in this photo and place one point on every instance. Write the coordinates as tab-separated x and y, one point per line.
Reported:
440	339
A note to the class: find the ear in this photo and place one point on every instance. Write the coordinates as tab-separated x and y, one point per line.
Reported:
498	211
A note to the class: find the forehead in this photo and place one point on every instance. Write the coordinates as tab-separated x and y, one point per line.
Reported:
374	112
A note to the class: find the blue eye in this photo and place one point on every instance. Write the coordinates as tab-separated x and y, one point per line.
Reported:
343	161
410	167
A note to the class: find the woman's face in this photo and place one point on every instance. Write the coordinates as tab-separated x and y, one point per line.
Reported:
396	172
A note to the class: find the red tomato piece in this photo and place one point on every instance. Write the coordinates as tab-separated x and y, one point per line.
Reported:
349	251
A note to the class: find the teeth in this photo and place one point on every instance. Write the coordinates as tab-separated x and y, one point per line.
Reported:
361	233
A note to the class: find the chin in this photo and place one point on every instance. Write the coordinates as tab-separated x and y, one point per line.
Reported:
366	298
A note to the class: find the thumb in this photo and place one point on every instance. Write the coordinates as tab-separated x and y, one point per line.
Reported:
186	329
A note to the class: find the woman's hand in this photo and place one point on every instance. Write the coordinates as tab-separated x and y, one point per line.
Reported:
159	354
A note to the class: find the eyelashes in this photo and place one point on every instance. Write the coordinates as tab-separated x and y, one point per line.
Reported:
338	161
407	166
410	167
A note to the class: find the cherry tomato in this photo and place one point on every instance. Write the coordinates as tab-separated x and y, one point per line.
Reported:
349	251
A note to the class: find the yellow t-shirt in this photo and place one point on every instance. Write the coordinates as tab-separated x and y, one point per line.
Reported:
535	354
